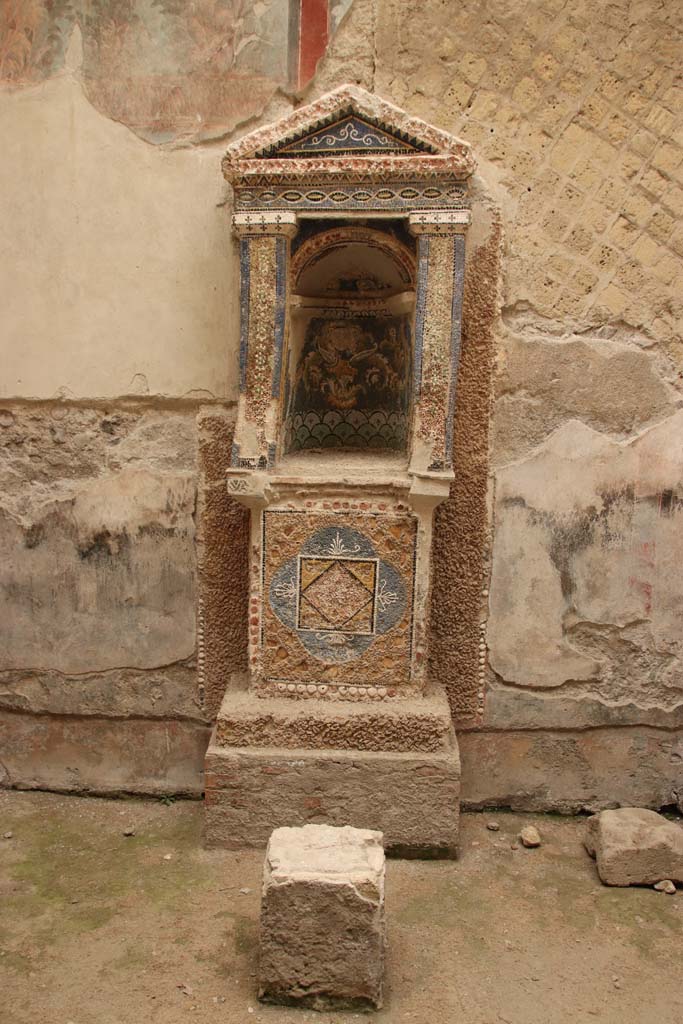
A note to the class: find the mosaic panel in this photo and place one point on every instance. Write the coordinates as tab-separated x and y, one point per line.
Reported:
351	385
355	429
339	596
260	350
263	260
441	267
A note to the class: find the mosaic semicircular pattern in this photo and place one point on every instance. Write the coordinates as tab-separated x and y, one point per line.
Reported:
343	595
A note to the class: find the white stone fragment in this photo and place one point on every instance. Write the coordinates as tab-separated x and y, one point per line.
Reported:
322	918
530	837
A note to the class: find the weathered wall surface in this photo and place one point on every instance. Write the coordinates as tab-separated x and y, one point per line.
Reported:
97	647
116	276
119	279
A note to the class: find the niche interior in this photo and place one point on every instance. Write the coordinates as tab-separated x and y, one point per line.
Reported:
348	368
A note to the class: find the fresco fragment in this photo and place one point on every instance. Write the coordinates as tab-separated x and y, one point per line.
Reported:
171	70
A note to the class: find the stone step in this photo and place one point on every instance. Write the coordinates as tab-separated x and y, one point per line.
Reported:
415	724
411	797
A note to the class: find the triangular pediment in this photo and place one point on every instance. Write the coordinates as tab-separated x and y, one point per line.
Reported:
347	123
349	135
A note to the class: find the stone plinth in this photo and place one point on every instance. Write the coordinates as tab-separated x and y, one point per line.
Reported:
417	724
391	766
322	918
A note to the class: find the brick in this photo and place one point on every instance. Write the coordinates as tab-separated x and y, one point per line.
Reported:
667	158
613	299
661	226
547	66
646	250
527	93
660	120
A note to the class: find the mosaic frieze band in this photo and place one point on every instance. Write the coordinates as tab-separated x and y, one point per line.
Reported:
408	196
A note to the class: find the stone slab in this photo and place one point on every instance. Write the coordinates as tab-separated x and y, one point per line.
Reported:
99	755
634	846
322	918
413	798
411	724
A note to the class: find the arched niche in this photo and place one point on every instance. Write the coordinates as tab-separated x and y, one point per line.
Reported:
349	358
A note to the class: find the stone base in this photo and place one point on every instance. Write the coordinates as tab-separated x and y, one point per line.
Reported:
409	724
410	795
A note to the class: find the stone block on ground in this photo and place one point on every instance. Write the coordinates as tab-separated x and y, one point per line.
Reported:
322	918
634	846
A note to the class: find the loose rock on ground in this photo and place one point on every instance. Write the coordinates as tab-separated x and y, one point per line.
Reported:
530	837
635	846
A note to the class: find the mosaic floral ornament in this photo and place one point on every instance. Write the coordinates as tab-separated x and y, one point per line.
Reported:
349	135
337	595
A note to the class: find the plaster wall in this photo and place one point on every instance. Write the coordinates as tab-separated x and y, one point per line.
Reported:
119	297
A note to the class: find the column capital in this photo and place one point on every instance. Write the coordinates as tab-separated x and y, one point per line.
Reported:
272	222
439	222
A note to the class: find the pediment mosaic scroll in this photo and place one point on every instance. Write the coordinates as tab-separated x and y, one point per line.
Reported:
350	135
351	219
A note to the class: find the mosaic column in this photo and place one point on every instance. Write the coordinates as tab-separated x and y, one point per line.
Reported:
438	320
264	266
264	257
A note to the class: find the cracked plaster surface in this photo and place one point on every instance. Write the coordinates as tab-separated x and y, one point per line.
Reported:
97	539
585	594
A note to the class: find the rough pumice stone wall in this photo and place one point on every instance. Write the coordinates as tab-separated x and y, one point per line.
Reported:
119	299
575	113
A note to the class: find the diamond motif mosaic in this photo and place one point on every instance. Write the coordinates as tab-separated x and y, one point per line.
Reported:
340	597
337	594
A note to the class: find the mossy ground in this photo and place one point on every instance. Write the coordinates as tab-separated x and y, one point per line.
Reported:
102	928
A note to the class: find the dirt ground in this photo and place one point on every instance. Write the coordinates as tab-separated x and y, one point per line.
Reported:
100	928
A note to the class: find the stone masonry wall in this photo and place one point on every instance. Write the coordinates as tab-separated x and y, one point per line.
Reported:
120	322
